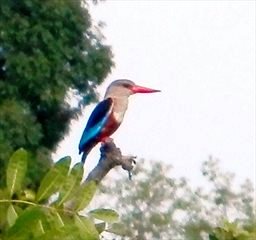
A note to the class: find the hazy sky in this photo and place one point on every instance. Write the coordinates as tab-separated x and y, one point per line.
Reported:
201	54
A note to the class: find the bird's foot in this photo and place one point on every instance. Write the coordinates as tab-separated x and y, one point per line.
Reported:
107	140
128	164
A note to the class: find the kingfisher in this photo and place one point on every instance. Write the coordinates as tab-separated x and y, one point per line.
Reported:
108	114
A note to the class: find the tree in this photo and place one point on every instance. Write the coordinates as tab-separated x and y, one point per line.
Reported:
49	51
156	206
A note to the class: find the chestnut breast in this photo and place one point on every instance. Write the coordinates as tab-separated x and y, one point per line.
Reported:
116	117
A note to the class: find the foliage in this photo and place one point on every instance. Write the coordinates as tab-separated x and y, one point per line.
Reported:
49	50
156	206
232	231
53	210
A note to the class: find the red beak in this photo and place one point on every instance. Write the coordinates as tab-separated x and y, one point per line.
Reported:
140	89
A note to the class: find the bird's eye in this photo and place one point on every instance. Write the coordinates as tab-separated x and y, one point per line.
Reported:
126	85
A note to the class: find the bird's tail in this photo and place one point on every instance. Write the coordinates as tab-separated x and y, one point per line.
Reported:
84	156
86	150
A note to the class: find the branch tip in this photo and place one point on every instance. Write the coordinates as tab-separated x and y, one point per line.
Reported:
110	157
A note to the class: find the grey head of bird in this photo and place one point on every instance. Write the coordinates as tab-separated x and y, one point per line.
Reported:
123	88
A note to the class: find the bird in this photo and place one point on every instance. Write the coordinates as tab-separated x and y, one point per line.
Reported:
108	114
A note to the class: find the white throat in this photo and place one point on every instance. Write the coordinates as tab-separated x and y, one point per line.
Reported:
120	107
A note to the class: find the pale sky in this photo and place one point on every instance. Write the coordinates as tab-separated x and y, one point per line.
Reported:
201	54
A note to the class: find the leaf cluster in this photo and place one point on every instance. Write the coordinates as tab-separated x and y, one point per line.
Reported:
53	211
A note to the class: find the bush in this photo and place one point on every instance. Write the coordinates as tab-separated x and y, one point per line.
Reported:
56	210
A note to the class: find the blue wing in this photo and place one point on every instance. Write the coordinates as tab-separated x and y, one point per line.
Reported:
96	122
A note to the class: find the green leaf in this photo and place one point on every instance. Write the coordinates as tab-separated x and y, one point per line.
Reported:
28	195
38	230
71	183
25	223
106	215
58	220
69	232
54	179
11	215
84	195
118	229
16	171
86	228
100	227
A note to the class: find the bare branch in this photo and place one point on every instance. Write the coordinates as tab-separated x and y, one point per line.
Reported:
111	157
